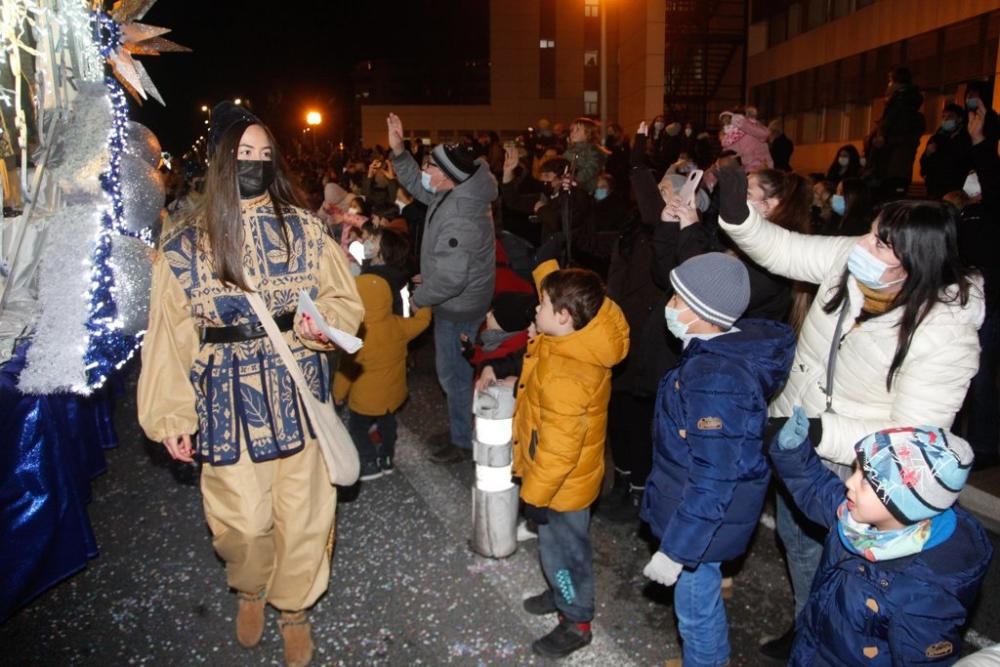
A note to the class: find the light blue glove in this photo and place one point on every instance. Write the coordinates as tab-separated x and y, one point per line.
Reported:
662	569
795	431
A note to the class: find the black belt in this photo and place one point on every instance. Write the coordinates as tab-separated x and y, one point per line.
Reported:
241	332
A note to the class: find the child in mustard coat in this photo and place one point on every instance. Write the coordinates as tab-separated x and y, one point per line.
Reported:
373	380
559	426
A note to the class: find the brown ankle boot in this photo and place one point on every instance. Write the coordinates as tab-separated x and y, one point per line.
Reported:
296	633
250	618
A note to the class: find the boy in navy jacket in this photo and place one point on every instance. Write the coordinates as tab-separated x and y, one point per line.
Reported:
706	491
901	566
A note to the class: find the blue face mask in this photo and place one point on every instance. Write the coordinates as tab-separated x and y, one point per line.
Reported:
675	326
948	125
838	204
868	269
425	180
600	194
972	103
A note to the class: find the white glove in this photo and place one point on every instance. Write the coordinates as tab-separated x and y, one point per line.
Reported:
662	569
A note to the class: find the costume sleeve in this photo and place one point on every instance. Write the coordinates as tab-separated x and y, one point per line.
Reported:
338	300
802	257
166	399
816	490
408	174
755	130
562	429
716	425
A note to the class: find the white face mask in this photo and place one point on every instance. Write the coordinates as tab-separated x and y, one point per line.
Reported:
971	186
843	161
868	269
674	324
863	161
425	181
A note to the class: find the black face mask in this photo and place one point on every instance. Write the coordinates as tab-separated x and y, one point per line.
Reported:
255	177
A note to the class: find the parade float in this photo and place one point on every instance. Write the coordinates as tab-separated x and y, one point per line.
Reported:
82	201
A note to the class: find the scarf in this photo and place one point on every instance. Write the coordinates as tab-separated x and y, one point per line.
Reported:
876	302
876	545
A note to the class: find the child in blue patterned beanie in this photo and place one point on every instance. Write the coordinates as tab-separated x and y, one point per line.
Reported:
902	563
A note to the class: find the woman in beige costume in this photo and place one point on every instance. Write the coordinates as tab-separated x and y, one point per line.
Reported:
208	368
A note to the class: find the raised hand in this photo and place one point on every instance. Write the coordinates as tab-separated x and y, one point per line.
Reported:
643	129
395	127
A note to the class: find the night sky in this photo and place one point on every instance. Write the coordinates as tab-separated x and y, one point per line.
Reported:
292	55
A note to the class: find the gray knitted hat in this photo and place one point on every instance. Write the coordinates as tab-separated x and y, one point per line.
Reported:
715	286
455	161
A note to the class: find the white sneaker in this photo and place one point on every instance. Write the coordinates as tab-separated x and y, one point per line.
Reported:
524	533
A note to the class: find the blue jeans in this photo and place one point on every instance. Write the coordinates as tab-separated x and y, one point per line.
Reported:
455	375
568	564
803	542
701	616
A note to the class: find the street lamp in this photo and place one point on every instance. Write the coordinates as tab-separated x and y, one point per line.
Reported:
313	118
238	101
204	108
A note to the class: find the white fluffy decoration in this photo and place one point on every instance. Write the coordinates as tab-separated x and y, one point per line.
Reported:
55	360
81	150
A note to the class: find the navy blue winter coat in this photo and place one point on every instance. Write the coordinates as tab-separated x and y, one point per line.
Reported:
706	490
905	611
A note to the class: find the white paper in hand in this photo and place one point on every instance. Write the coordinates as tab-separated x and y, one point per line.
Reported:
342	339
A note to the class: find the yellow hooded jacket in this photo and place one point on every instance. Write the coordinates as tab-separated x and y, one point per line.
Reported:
375	376
561	414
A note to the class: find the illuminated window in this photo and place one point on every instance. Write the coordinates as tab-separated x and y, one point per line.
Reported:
590	102
591	8
547	44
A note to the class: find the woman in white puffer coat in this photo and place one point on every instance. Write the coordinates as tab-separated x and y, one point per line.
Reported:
908	345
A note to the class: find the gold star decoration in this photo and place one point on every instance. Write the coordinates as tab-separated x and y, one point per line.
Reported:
138	39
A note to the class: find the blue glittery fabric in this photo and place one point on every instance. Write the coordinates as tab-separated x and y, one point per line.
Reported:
51	447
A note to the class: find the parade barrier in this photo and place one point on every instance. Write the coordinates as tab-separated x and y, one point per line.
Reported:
495	496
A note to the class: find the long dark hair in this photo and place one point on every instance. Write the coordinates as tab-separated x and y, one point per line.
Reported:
794	196
222	220
924	236
857	218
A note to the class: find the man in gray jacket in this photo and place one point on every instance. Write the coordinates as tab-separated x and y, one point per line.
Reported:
457	267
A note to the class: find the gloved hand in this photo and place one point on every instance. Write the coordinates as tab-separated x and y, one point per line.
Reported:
540	515
795	430
662	569
732	189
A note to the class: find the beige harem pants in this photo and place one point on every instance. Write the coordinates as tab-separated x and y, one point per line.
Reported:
272	524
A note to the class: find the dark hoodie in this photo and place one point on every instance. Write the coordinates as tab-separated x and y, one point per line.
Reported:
706	491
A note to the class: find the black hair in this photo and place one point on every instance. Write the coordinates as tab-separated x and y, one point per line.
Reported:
924	236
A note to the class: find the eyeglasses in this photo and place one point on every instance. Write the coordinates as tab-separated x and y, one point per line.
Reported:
428	165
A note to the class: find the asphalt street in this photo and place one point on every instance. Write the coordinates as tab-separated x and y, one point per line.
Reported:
405	589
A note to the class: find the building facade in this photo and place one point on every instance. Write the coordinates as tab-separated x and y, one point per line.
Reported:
822	65
545	58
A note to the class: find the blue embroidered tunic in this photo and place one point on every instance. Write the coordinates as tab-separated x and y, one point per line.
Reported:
238	396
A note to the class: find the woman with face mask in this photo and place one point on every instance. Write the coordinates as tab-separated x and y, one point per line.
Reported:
847	164
209	368
945	160
890	339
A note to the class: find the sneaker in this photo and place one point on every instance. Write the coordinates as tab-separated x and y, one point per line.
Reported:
370	470
541	604
781	647
451	454
524	533
566	638
385	463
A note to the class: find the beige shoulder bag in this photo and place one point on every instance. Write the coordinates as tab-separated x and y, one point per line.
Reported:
339	452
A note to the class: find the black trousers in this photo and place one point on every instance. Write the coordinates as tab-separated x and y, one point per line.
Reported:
630	433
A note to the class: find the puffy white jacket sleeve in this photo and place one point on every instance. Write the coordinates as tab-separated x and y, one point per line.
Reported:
799	257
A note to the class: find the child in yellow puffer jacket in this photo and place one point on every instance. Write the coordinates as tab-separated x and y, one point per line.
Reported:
373	380
559	426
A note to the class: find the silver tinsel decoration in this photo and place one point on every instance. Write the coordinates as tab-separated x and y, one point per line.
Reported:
143	193
132	265
55	360
140	142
